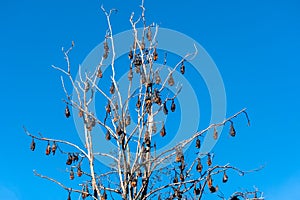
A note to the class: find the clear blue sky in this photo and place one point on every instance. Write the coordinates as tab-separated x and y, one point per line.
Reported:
255	45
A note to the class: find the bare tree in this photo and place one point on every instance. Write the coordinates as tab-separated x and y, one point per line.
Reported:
137	170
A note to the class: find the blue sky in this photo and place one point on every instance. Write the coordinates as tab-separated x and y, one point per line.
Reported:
255	45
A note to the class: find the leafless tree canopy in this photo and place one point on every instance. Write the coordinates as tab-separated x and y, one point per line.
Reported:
137	170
